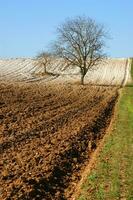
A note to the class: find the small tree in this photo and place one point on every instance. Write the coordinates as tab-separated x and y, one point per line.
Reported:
43	60
80	42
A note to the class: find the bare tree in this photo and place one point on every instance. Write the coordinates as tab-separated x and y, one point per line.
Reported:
44	59
80	42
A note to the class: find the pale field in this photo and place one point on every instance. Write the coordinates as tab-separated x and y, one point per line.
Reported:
109	72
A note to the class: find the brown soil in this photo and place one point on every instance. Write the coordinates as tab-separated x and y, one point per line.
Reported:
47	133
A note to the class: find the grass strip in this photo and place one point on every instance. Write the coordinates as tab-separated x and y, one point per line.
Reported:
112	177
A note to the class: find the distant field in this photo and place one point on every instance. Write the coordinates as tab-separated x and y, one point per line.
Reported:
109	72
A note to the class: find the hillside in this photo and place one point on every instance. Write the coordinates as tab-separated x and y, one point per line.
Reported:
110	72
50	126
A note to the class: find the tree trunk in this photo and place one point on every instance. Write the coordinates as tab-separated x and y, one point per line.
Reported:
82	79
45	71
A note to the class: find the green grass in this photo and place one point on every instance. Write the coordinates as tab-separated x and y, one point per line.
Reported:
112	177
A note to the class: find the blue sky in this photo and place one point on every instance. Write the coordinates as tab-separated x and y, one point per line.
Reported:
28	26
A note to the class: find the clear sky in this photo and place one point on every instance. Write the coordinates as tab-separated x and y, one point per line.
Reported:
28	26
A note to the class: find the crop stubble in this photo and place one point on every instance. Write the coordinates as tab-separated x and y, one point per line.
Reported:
47	133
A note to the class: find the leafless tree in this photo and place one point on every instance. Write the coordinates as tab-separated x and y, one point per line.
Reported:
44	59
80	42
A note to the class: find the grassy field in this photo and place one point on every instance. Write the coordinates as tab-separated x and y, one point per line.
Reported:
112	177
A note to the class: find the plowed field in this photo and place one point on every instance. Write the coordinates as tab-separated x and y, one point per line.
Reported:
108	72
47	133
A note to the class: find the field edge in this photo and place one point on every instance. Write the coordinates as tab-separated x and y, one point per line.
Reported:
97	182
94	155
